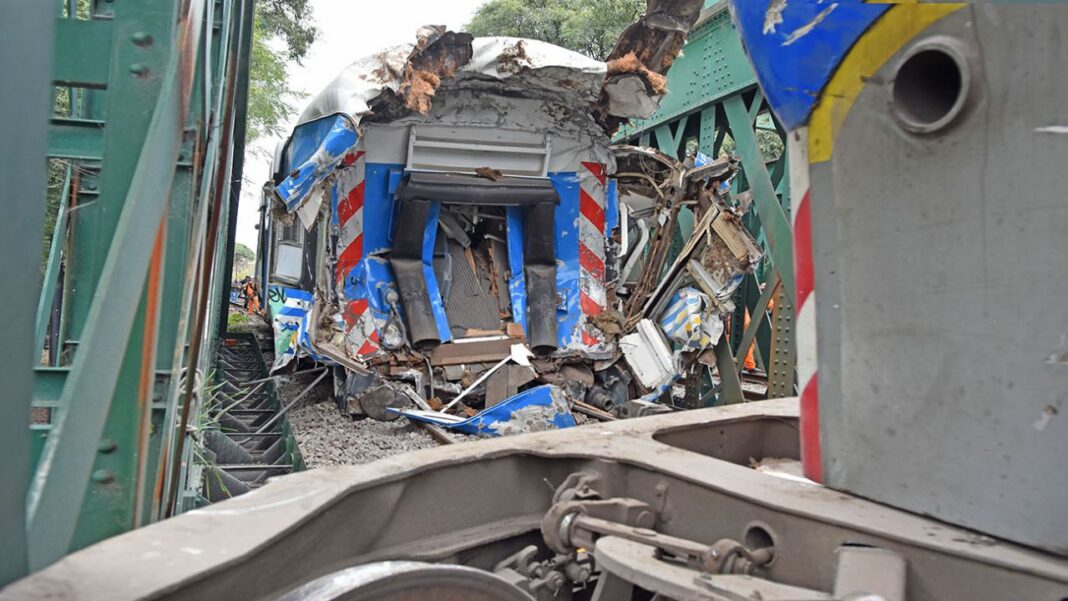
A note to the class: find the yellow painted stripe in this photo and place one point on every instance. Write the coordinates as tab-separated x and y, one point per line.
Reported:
882	40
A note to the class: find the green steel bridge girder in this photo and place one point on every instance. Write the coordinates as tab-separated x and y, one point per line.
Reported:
713	94
98	454
83	488
25	49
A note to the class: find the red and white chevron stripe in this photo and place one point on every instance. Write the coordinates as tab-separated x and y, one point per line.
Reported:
350	214
592	296
804	277
361	337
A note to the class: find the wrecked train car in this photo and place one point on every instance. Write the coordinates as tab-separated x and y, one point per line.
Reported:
444	201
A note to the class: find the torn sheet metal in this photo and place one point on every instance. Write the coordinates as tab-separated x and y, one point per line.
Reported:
642	56
528	66
437	305
729	255
534	66
656	38
297	187
290	308
631	96
648	355
353	90
437	56
534	410
690	320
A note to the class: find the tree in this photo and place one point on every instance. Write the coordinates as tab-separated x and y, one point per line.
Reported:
270	99
587	26
244	261
290	20
244	253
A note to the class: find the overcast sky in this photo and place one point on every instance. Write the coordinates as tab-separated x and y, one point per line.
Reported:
348	30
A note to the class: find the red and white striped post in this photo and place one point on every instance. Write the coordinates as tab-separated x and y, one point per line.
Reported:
361	332
804	276
593	297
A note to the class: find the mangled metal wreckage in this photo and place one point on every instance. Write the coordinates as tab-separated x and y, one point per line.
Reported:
453	228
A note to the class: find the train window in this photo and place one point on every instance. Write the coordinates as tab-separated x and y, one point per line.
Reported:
289	252
293	232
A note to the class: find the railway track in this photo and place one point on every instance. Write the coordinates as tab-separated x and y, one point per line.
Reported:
246	436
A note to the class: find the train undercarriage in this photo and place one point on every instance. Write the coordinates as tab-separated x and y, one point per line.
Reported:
695	505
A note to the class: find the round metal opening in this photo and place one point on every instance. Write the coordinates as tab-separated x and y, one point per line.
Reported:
930	88
758	536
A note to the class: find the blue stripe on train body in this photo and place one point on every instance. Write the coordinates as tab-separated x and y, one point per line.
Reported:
566	239
794	58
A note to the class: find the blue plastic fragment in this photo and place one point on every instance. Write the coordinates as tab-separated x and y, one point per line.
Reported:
534	410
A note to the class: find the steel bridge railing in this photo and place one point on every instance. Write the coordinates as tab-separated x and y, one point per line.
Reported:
155	90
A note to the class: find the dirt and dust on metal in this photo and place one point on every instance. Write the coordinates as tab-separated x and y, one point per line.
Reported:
451	230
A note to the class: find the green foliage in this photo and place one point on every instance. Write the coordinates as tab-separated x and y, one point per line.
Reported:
237	318
244	253
587	26
82	9
768	141
57	168
57	172
289	20
270	99
244	261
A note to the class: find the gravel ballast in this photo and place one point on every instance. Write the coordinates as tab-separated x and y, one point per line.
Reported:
326	437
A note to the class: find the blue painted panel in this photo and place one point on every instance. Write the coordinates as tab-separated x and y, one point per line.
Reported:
517	283
323	160
289	310
437	306
370	279
566	218
372	276
795	58
307	138
611	207
378	207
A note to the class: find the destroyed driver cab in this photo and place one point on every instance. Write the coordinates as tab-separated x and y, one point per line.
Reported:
442	201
